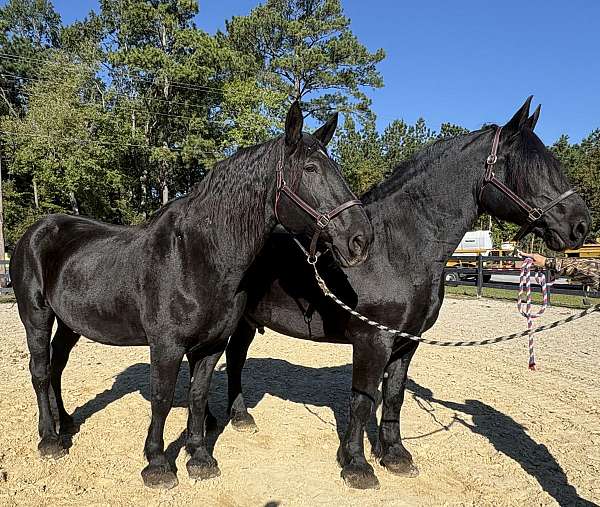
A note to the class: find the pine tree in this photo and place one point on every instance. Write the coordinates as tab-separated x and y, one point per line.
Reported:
308	52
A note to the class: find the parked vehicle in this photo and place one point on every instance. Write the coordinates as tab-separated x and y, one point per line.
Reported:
477	243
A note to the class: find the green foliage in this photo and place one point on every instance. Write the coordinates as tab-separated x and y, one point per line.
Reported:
114	114
401	141
367	157
61	144
308	52
359	153
27	29
448	130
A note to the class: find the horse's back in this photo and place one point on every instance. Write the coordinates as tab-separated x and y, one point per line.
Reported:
50	240
85	271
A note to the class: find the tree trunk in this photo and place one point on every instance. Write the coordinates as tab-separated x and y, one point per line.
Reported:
2	252
164	193
74	204
36	200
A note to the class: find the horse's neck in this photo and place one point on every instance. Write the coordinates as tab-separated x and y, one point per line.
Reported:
233	210
432	208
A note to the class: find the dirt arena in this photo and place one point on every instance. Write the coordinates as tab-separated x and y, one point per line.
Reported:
482	428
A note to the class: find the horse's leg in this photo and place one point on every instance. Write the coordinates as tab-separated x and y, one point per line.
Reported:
201	464
210	421
237	352
393	455
63	342
165	362
38	320
370	356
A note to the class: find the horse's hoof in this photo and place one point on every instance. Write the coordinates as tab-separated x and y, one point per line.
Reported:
243	422
210	423
202	470
159	477
360	477
400	467
51	448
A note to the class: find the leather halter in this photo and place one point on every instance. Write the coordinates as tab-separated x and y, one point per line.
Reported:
533	214
322	220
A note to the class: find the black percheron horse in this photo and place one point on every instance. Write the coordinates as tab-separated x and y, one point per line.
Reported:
175	283
419	214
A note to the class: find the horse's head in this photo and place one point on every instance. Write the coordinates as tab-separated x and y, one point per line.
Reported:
313	199
542	202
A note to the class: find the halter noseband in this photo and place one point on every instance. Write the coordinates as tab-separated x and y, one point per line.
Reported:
533	213
321	219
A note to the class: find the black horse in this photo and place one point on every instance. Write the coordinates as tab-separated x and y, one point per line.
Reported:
419	214
175	283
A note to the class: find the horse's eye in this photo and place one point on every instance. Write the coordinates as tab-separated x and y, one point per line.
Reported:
311	168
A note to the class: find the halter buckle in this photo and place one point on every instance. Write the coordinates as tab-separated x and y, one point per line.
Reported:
492	159
323	221
535	214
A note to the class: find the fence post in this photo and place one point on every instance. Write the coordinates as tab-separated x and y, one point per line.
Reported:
479	275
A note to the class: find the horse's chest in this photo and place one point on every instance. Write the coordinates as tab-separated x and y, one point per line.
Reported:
417	302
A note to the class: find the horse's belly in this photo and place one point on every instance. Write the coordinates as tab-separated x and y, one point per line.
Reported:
111	324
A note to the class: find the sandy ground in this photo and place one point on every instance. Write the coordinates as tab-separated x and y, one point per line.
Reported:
482	428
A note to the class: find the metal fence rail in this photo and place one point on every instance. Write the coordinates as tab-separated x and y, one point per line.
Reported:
474	276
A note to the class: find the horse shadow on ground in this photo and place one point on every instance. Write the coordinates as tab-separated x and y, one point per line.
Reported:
329	387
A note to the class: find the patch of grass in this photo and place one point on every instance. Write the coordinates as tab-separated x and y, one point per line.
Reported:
7	298
511	295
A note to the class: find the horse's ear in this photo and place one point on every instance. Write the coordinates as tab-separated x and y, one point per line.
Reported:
533	119
325	132
293	125
517	122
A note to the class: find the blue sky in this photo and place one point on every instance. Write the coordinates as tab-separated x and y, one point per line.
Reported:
465	61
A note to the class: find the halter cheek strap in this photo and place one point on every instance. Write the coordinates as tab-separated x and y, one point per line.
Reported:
322	220
533	214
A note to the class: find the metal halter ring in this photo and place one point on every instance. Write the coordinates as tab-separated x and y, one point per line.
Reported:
323	221
535	214
492	159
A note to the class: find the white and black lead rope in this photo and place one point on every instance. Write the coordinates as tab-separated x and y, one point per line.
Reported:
439	343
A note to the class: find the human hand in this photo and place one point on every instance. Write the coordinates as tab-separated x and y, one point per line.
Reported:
538	259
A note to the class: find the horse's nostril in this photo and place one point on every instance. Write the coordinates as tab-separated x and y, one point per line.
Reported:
357	244
581	229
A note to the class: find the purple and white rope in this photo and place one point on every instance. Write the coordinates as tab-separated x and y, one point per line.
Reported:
525	289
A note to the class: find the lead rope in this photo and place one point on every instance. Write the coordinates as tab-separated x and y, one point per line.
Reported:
472	343
525	288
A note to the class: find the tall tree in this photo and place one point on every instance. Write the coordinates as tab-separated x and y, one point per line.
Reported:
153	48
401	141
69	147
308	51
359	153
27	29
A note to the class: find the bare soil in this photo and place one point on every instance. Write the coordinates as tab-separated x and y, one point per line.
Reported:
482	428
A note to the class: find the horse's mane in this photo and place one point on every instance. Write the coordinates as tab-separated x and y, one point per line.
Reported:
233	195
239	182
417	165
527	158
